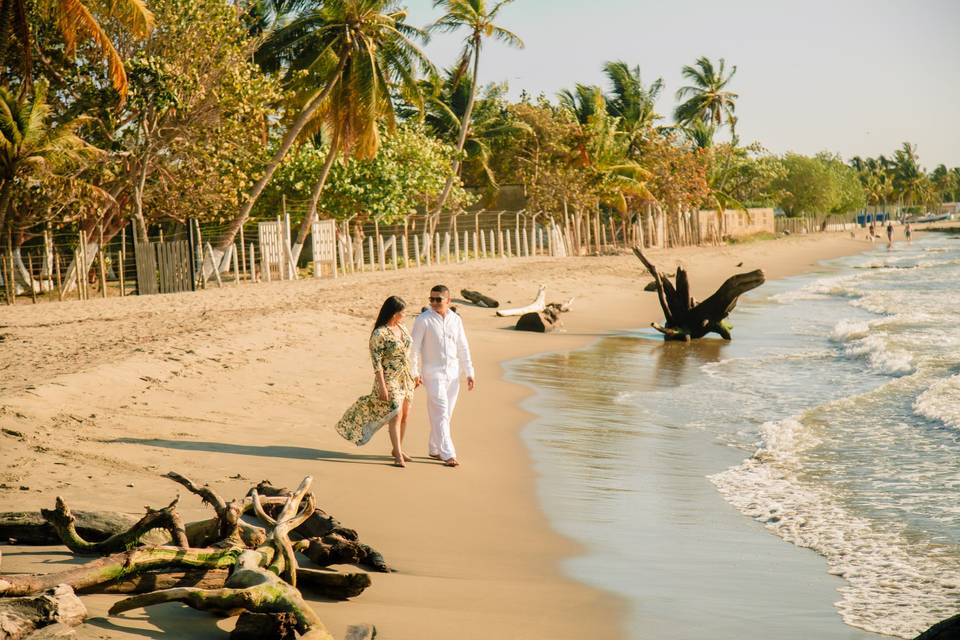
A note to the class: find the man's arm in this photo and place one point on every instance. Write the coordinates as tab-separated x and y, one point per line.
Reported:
463	354
416	345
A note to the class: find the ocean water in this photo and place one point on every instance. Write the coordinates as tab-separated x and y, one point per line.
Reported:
800	481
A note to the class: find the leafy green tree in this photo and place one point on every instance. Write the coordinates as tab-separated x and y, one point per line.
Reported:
474	17
707	98
631	101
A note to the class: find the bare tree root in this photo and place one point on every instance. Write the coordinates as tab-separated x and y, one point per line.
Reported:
63	521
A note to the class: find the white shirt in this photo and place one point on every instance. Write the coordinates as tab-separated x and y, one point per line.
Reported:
440	344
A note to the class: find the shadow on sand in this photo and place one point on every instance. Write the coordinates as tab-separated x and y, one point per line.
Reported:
266	451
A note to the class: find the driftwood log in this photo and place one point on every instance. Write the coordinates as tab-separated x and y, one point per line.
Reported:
55	610
546	320
948	629
479	299
239	568
687	319
539	304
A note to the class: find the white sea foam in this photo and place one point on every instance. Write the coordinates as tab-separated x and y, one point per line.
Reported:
892	586
846	330
881	358
941	402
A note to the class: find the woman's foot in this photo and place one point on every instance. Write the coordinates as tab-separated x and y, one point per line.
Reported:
407	458
398	460
451	462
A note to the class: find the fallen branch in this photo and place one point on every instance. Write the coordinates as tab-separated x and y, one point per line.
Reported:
479	299
537	305
20	617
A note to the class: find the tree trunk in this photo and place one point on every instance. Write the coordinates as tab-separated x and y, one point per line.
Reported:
271	168
311	215
20	617
464	128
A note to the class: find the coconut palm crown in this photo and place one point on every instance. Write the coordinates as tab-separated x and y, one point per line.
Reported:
707	98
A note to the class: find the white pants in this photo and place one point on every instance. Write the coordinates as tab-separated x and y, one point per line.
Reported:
442	390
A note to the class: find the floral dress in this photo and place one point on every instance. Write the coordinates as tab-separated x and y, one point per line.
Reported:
392	354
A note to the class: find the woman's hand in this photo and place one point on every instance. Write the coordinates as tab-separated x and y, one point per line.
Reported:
382	393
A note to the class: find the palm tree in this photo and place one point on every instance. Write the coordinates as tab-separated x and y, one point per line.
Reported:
445	102
583	102
352	52
473	16
30	148
707	98
75	19
631	101
909	179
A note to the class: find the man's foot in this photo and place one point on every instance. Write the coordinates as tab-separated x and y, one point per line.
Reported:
435	456
451	462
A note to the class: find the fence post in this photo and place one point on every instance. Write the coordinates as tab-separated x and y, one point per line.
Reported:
122	259
406	251
253	263
416	249
483	243
56	265
370	253
393	252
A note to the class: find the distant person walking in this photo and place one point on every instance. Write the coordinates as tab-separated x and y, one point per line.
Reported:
889	233
908	232
439	350
393	384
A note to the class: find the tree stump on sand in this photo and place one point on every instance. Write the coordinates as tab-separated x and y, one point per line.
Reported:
546	320
687	319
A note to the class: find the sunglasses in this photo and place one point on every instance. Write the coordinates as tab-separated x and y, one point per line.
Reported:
435	299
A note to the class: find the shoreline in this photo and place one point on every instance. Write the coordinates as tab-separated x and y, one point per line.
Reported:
469	561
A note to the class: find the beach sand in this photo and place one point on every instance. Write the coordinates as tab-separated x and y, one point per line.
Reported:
231	386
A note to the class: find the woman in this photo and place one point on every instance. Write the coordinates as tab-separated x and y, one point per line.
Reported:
393	386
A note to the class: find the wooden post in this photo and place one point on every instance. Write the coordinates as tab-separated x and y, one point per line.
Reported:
6	278
122	259
379	242
103	267
406	252
216	268
199	261
33	290
509	245
466	245
526	247
83	260
236	265
416	249
483	243
456	245
360	258
446	246
493	244
243	255
393	252
381	252
56	264
253	263
76	261
370	253
265	272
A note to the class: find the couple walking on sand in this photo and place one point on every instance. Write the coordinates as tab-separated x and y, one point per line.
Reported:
432	355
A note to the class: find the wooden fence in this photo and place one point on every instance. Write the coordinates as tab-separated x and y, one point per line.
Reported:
164	267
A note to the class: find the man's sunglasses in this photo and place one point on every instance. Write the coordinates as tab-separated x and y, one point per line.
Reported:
436	299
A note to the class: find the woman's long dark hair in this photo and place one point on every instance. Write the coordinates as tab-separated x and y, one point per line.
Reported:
391	306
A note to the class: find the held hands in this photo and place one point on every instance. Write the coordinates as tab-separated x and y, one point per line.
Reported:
417	381
471	383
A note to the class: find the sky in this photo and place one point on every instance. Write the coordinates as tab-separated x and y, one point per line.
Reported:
854	77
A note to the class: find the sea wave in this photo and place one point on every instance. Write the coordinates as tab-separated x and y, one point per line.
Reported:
879	355
846	330
941	402
892	586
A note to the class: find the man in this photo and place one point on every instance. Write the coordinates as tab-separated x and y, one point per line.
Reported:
438	351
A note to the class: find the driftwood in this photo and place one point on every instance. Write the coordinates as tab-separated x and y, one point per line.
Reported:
30	527
537	305
948	629
687	319
55	607
479	299
240	568
546	320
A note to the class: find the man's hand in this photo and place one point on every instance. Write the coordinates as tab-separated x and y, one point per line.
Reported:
418	381
471	383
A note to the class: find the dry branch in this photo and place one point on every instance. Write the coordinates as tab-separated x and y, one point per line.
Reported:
63	521
479	299
21	617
